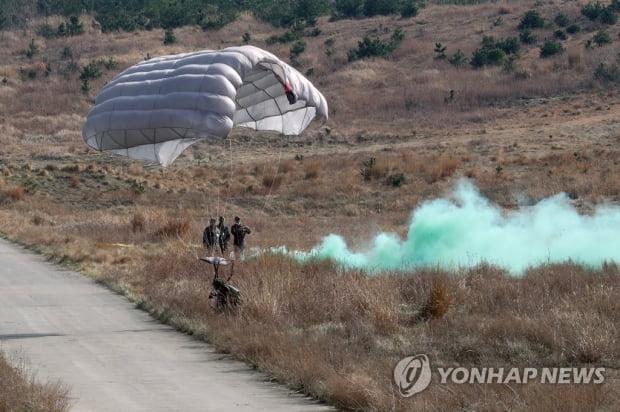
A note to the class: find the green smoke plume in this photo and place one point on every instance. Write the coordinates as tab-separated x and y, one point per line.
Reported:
468	229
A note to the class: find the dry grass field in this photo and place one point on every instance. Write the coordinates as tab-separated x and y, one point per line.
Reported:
521	134
19	390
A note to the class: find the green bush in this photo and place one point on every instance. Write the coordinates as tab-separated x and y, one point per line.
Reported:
367	168
440	51
409	9
368	47
608	16
560	34
609	73
601	38
526	36
550	48
375	47
396	180
348	8
90	71
169	37
493	52
296	49
488	57
66	54
509	45
573	28
380	7
561	20
531	20
46	31
33	49
74	26
458	59
592	11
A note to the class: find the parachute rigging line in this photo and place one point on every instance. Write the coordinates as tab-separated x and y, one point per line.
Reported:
273	180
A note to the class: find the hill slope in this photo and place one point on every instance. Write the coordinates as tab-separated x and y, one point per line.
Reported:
521	131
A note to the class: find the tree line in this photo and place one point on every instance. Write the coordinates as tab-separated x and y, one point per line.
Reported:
130	15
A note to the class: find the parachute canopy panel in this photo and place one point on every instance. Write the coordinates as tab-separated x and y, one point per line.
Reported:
156	109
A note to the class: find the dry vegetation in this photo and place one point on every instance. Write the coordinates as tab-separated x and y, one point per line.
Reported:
521	136
20	392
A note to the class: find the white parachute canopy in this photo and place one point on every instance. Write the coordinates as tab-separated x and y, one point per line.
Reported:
156	109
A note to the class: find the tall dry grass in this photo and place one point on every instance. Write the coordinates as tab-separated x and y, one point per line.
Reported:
20	391
309	325
333	334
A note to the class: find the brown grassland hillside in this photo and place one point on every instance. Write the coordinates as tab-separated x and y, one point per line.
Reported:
529	130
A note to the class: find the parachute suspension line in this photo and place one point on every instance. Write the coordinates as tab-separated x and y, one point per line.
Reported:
231	159
231	176
275	176
217	205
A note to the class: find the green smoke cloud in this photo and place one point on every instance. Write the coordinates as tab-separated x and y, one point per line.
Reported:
467	229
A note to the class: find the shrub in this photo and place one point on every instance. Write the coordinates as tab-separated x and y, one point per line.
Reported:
376	48
592	11
458	59
440	51
531	20
550	48
438	301
526	36
608	16
348	8
174	229
169	37
74	26
509	45
409	9
296	49
609	73
367	168
329	44
66	54
488	57
33	49
290	35
380	7
272	181
138	187
90	71
46	31
561	20
396	180
601	37
312	170
138	222
16	193
573	28
445	167
493	53
12	194
560	34
74	181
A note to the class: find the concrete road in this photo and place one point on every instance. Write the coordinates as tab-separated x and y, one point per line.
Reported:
113	356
